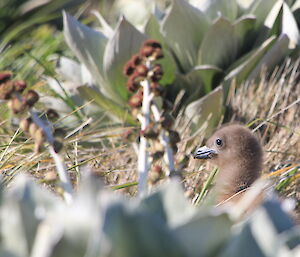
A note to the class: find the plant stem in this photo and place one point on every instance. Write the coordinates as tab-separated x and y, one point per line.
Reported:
63	176
143	155
165	141
60	166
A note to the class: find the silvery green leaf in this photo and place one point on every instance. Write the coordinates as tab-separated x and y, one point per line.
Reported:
105	27
260	233
79	232
216	8
244	32
203	78
62	88
260	9
295	6
290	27
274	14
86	76
88	46
138	233
7	253
169	203
126	42
207	109
168	63
112	109
25	205
219	45
288	243
243	240
273	56
204	235
244	4
243	67
184	27
129	8
152	30
69	69
57	104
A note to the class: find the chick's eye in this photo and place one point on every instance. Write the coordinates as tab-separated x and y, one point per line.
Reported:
219	141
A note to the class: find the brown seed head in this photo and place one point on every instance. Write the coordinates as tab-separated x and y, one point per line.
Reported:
136	60
152	53
136	100
153	43
16	105
20	85
150	132
52	114
151	49
128	69
5	76
6	90
133	82
156	72
31	97
141	70
156	88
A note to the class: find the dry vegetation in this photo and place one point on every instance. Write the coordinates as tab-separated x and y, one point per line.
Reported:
270	107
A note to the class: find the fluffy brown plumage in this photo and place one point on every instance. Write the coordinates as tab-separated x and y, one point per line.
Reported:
238	155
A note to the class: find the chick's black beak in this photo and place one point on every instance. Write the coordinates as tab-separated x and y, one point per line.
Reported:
204	153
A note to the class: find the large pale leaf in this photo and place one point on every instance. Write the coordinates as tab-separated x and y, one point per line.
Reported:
244	34
170	204
75	231
111	108
289	26
204	235
203	78
260	234
25	206
273	56
138	233
206	109
125	42
219	45
217	8
260	9
168	63
296	5
88	46
184	27
129	8
242	71
69	69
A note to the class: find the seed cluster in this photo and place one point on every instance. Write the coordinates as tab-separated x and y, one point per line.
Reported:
20	100
11	90
142	67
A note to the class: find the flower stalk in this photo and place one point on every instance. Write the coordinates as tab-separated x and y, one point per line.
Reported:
143	155
144	74
39	129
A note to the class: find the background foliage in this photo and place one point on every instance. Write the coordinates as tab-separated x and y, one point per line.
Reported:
224	60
